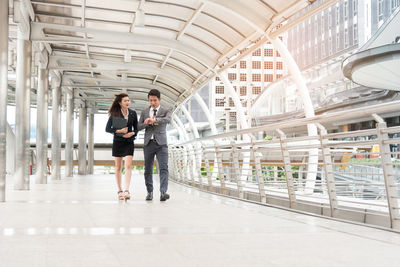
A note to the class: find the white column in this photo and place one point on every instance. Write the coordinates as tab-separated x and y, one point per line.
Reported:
308	110
206	111
42	125
191	121
22	116
196	147
243	123
239	108
69	144
82	140
91	143
213	127
56	130
179	130
3	95
185	151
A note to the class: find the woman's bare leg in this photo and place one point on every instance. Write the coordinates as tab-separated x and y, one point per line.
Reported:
128	171
118	168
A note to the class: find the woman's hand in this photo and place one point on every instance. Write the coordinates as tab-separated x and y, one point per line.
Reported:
123	130
128	135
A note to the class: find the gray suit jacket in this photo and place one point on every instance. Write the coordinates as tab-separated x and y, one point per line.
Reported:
159	129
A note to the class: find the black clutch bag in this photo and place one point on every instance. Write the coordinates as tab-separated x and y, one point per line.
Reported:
119	123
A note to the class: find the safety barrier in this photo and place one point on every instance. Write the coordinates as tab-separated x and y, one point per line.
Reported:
356	178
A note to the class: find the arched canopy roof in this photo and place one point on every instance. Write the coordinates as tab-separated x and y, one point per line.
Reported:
102	46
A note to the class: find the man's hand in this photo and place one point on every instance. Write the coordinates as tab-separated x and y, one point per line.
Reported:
123	130
149	121
128	135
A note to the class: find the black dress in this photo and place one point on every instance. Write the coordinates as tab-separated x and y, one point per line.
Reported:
124	146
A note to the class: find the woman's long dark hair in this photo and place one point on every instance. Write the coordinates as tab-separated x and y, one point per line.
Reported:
115	109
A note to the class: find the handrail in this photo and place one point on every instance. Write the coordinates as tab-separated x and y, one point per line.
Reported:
277	171
342	115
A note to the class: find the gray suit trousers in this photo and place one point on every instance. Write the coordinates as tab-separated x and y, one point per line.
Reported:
161	152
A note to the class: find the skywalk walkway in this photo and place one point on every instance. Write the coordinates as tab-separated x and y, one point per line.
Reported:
79	222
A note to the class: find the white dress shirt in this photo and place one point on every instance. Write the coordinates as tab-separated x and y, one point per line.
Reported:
151	115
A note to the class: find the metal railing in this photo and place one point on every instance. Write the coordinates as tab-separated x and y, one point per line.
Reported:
354	180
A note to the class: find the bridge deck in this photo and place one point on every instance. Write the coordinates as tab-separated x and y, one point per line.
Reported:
79	222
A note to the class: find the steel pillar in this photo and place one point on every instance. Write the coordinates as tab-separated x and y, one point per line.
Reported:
69	144
82	169
3	95
22	116
42	125
91	143
56	130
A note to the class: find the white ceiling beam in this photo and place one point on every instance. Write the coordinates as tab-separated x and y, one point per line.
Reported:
86	81
145	68
195	14
309	13
135	17
234	50
155	79
166	59
112	37
256	16
138	56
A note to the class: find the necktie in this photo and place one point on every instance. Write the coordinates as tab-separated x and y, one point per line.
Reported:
154	112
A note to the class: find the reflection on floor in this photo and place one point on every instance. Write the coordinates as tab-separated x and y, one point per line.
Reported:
80	222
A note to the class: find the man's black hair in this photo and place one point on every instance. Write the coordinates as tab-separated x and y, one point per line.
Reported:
154	92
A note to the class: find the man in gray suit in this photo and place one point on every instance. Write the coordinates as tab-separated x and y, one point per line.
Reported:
154	120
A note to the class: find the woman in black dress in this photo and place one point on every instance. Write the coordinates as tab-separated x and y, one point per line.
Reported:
123	142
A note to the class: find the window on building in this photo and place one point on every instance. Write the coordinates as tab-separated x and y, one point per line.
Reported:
395	4
231	103
322	23
243	77
330	45
346	38
256	77
268	77
354	8
219	89
242	64
257	53
243	90
219	102
268	65
279	65
337	41
256	64
269	52
232	116
256	90
323	51
278	76
355	33
337	14
315	25
346	9
231	76
316	52
217	78
330	19
380	10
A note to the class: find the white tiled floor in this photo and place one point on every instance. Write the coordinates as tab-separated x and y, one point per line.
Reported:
79	222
